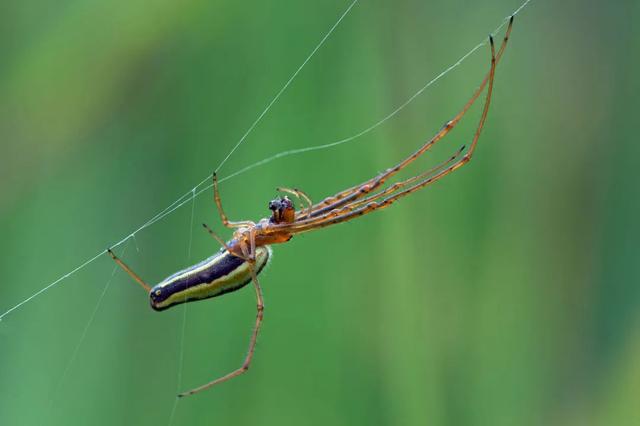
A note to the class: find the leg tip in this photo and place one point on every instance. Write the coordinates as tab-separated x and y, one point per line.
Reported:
112	254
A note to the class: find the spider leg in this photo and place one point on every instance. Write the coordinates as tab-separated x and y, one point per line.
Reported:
226	222
349	211
399	185
344	197
128	270
300	195
216	236
252	245
386	192
252	342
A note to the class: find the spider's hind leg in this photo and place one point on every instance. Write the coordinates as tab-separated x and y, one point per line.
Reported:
128	270
256	329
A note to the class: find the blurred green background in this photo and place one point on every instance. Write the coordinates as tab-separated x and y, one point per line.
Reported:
507	294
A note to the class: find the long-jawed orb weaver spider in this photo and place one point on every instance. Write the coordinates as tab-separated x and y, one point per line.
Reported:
242	258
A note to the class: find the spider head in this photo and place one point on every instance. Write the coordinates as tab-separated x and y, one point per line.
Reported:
283	210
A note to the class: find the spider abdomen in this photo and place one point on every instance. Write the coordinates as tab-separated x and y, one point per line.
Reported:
219	274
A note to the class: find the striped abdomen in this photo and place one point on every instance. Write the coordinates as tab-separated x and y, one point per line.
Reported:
219	274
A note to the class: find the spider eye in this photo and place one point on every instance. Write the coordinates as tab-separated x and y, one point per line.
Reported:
274	205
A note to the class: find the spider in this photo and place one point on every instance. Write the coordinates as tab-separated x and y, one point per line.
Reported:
242	258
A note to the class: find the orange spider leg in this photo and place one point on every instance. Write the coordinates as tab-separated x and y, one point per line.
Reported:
226	222
347	213
129	271
353	193
252	343
387	191
399	185
216	236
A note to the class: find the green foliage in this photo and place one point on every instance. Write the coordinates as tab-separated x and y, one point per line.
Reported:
507	294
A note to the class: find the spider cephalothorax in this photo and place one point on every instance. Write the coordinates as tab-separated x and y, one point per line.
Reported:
283	210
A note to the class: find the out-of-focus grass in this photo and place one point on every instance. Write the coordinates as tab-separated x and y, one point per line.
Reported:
505	294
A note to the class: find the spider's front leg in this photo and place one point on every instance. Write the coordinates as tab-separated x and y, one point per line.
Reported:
357	192
389	196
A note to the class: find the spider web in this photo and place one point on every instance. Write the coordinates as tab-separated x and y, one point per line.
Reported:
205	184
